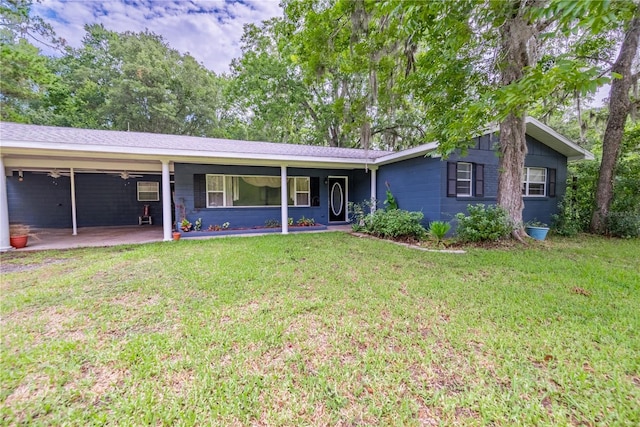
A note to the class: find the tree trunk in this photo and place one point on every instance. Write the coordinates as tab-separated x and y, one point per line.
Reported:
513	150
619	107
516	35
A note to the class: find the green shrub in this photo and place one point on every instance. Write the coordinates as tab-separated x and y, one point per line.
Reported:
482	224
359	214
623	224
567	221
438	229
396	224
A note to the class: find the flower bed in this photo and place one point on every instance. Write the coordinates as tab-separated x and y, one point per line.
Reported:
252	230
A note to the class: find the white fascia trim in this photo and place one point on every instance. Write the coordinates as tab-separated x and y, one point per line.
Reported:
420	150
187	155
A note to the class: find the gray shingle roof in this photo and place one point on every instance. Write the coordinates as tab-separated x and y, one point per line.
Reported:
18	132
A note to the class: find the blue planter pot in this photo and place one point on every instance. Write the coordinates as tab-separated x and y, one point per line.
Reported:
538	233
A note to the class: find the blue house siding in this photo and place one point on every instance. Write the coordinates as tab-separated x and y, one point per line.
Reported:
538	155
39	200
414	184
256	216
107	200
484	153
101	200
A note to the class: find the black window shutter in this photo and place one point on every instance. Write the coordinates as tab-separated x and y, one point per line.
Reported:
314	185
452	178
199	191
552	182
479	180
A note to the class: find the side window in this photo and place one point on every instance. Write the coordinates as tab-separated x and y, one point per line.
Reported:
148	191
465	179
534	182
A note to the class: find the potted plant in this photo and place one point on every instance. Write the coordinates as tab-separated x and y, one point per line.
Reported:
176	235
19	235
185	225
536	229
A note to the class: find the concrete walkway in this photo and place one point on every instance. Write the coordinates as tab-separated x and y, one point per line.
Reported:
61	238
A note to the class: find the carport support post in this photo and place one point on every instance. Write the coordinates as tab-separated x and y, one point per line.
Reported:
74	219
284	201
4	211
374	188
166	201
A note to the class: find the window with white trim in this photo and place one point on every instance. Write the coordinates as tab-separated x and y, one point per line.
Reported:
255	191
302	191
534	182
464	180
148	191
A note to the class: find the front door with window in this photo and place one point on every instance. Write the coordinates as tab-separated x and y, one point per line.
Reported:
337	199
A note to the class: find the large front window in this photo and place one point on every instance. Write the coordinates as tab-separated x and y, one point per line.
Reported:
252	190
534	182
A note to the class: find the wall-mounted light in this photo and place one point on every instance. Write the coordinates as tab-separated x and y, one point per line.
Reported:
20	176
326	181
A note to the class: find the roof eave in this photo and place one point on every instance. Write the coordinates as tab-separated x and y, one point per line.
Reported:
187	156
409	153
556	141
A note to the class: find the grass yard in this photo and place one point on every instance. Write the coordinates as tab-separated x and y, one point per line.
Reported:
322	329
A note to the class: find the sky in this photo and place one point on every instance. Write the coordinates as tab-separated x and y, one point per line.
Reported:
209	30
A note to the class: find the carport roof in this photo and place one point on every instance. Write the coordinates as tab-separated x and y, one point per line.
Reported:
159	143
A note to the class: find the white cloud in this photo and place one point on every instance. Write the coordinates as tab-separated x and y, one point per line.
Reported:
209	30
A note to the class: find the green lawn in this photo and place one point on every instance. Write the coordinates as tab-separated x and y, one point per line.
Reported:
322	329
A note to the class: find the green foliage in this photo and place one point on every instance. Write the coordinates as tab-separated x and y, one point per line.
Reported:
390	201
566	222
185	225
623	224
396	224
272	223
577	206
438	229
483	223
306	222
359	214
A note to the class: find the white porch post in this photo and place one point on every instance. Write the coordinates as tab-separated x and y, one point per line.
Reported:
4	211
284	201
166	201
74	219
374	188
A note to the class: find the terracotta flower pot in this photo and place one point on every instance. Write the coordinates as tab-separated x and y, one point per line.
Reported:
176	235
18	242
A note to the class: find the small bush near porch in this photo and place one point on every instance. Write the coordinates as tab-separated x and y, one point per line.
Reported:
322	329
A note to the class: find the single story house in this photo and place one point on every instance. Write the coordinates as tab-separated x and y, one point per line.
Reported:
66	177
